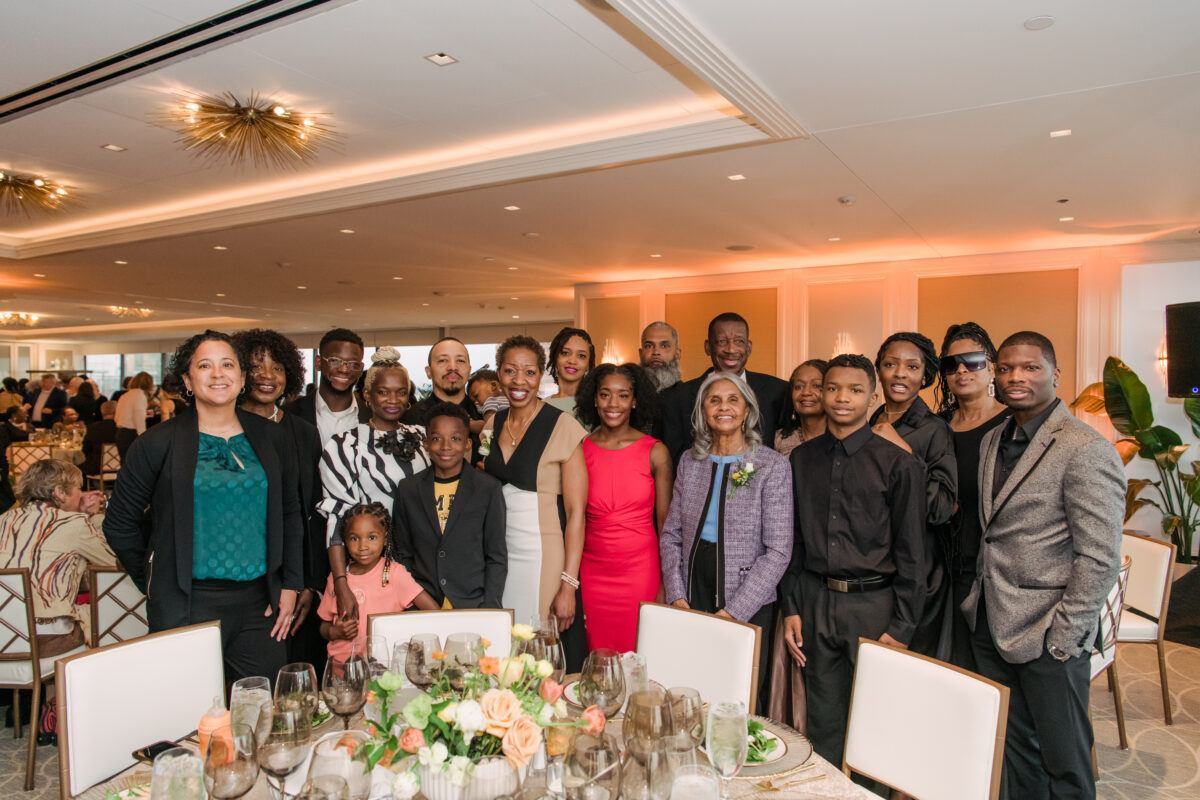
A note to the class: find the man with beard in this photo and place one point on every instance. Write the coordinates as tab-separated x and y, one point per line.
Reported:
449	368
660	353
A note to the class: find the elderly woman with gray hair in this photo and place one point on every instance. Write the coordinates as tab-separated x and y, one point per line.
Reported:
728	536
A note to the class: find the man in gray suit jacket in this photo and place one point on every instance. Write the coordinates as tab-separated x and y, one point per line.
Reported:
1053	498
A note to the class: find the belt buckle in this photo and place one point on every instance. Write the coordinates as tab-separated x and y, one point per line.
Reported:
838	585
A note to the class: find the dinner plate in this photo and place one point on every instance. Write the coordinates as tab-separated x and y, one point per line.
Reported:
773	756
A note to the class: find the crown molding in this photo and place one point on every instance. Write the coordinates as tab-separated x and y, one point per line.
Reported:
665	23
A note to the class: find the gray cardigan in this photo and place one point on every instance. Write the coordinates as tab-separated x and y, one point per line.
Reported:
756	530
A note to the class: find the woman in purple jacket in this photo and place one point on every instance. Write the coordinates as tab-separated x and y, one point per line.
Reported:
728	536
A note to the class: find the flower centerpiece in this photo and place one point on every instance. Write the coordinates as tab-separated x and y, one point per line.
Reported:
476	740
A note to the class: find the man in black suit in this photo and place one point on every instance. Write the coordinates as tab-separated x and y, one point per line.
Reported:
729	347
97	435
448	521
46	402
334	407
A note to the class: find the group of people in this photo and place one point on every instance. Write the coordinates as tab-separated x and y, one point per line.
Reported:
985	532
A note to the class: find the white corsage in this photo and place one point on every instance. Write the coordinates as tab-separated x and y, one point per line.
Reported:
741	476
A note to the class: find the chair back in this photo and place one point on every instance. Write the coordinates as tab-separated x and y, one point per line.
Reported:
926	728
1110	620
16	617
716	657
23	455
110	460
1149	587
116	699
493	624
118	607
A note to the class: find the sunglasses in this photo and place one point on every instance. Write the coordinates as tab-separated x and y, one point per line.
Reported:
972	361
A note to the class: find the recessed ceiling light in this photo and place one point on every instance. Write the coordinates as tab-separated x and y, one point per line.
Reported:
346	230
348	309
220	294
656	255
116	148
424	304
834	239
441	59
39	274
1060	134
738	177
301	287
1039	23
516	316
531	235
219	247
513	269
120	262
512	208
1066	219
737	248
488	258
397	277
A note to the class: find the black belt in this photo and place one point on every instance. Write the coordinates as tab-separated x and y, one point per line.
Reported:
855	585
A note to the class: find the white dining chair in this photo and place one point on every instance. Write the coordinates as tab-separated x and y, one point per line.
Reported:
19	655
923	727
1146	599
493	624
717	657
1104	657
117	607
117	699
110	465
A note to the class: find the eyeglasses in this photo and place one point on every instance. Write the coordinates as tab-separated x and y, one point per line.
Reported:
972	361
337	364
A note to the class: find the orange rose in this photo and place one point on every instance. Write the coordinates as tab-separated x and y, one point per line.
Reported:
439	655
594	718
501	708
489	665
521	741
550	690
485	642
412	740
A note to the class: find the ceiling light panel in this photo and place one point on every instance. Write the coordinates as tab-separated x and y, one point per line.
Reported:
441	59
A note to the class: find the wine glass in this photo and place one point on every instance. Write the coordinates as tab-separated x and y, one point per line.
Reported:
646	773
648	716
695	782
687	714
178	775
296	687
464	649
421	666
602	682
250	704
377	652
728	742
592	768
344	685
286	746
546	645
230	769
325	787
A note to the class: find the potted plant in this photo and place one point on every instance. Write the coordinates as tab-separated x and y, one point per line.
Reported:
1125	400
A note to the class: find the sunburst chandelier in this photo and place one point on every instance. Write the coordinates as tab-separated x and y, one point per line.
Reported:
265	132
132	313
13	319
25	193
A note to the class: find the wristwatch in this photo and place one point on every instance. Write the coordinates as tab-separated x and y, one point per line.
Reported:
1057	653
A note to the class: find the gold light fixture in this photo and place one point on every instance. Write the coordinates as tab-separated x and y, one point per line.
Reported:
25	193
13	319
265	132
133	313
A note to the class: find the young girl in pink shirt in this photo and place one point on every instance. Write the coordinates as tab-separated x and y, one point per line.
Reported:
380	584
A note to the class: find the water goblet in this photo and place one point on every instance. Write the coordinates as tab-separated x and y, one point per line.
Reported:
344	685
286	745
296	686
592	770
602	682
727	741
230	768
687	713
695	782
325	787
646	772
546	645
421	665
377	652
647	716
178	775
250	703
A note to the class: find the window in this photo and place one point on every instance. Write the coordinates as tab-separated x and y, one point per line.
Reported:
105	370
144	362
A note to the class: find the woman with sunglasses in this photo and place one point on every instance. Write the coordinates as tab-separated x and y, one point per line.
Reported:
966	394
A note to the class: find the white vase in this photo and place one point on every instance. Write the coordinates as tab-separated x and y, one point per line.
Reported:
492	777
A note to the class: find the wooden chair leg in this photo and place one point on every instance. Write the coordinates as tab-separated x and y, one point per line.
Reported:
1111	687
34	710
1162	676
16	713
1119	703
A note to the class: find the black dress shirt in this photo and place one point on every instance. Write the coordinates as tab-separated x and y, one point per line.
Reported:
418	414
966	530
860	512
1013	441
932	443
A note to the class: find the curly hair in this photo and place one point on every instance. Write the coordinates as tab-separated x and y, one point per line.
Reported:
378	512
789	420
384	358
929	356
645	398
854	361
521	342
181	362
251	344
956	333
560	341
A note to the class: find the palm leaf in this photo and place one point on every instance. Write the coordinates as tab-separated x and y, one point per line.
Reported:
1090	400
1126	398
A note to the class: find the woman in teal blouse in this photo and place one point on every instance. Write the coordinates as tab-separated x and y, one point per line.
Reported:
226	538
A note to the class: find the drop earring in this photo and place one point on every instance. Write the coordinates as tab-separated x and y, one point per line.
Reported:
992	389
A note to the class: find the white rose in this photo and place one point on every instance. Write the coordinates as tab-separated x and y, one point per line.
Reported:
545	715
405	786
432	756
527	660
469	718
460	769
544	669
749	467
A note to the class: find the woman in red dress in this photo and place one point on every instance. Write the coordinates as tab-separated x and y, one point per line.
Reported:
629	492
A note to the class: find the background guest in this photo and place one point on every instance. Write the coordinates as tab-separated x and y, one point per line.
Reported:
85	403
10	396
334	407
629	492
484	388
907	363
45	402
124	388
660	352
227	536
70	419
131	410
18	424
449	368
572	356
804	418
967	394
97	435
728	536
535	454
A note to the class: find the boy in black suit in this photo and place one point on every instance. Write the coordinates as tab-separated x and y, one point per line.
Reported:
448	521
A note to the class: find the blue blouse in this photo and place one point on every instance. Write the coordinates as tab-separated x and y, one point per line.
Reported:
709	532
229	515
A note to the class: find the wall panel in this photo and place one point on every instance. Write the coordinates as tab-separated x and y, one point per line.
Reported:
690	313
613	322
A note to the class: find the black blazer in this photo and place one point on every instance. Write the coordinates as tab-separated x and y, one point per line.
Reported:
469	562
55	404
307	442
675	426
158	471
305	407
98	433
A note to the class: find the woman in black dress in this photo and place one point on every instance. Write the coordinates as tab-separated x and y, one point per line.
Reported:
967	400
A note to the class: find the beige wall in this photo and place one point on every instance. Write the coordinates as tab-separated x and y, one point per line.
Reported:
690	313
853	308
614	322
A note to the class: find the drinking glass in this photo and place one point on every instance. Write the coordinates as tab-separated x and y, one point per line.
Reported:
421	666
230	769
375	649
344	685
250	704
178	775
548	644
399	658
695	782
602	682
286	746
333	754
647	716
636	676
727	741
687	713
296	687
464	649
592	770
325	787
646	773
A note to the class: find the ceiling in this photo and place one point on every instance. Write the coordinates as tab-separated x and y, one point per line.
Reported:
612	126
